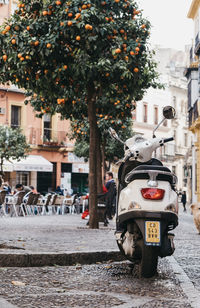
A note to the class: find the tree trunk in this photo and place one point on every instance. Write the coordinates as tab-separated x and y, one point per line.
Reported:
103	159
93	221
99	165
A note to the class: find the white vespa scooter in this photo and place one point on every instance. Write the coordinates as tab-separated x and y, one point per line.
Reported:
147	202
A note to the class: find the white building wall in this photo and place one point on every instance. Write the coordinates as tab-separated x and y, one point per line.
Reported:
176	86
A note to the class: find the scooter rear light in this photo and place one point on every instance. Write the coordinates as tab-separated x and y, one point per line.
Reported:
152	193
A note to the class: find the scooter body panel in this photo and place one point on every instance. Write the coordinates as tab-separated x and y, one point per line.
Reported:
131	199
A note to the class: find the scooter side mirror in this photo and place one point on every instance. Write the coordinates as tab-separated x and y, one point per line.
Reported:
113	133
169	112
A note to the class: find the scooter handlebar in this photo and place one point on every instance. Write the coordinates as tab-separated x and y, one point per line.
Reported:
168	139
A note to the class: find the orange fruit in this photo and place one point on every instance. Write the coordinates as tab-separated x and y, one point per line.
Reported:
69	23
65	67
4	57
62	23
107	74
70	15
19	55
16	79
88	27
121	31
103	3
48	45
143	26
136	70
28	28
58	2
36	43
137	49
22	59
117	1
27	57
84	6
7	28
132	53
44	13
13	41
45	71
118	50
78	38
78	15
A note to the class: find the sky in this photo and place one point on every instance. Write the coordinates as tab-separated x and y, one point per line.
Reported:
170	25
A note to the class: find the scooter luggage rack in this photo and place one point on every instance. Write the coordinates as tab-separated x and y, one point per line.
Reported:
153	174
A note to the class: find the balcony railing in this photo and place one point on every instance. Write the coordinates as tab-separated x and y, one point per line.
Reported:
193	113
195	110
191	54
197	45
47	137
170	152
190	116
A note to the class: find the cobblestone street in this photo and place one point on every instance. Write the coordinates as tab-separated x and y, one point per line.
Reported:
100	285
104	284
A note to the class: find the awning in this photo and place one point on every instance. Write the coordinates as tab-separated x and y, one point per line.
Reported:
30	163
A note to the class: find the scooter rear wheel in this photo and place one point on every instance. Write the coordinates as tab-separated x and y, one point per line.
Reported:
149	261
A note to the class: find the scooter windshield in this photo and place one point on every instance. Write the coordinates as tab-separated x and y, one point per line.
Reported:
134	140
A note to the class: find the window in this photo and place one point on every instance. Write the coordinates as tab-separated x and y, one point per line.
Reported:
174	169
183	106
174	102
47	127
145	113
155	115
13	6
15	116
185	139
22	178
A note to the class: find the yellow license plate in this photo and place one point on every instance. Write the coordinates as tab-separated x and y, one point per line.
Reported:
152	233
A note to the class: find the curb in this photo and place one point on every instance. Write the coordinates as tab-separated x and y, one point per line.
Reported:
61	259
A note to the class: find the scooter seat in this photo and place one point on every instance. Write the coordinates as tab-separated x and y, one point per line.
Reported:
144	175
152	167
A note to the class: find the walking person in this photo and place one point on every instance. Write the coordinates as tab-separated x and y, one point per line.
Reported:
183	200
110	196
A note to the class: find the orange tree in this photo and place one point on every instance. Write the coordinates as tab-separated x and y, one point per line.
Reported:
80	59
110	150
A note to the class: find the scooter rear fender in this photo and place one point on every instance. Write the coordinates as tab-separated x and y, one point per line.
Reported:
169	220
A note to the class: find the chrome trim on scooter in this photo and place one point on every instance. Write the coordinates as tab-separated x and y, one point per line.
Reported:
152	175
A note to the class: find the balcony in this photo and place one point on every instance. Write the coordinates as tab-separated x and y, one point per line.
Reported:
193	113
190	116
47	137
171	152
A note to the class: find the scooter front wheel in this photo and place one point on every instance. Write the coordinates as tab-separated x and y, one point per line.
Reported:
148	262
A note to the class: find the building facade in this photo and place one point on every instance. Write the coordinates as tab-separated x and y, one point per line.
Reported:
48	138
192	72
176	155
